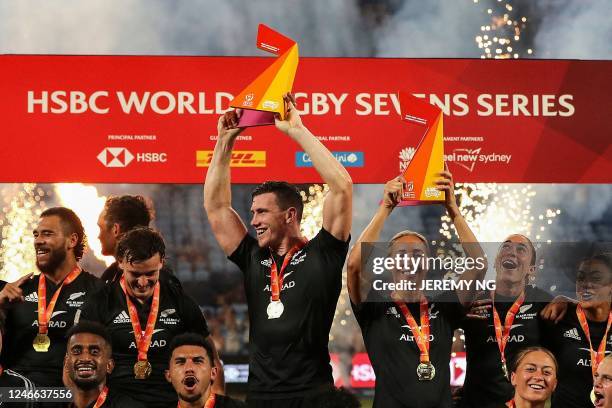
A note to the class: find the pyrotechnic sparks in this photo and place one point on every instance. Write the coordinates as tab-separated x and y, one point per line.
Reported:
87	204
312	221
500	36
495	211
22	206
312	216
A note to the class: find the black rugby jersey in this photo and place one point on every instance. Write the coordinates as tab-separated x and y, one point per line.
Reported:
44	369
178	313
395	355
485	385
570	346
289	355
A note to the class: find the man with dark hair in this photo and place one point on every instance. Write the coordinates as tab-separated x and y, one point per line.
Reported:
292	285
120	215
191	372
41	309
143	314
88	362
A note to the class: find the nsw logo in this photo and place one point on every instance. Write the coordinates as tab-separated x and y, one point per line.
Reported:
347	159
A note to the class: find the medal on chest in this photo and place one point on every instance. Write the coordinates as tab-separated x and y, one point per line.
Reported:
425	370
276	308
42	342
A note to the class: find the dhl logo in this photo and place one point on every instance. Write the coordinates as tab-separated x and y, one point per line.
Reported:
240	158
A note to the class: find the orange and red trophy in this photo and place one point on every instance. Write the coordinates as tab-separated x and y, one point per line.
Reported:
262	99
428	159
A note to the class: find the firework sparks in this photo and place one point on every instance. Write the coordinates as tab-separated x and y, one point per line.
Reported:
87	204
495	211
312	216
500	36
21	209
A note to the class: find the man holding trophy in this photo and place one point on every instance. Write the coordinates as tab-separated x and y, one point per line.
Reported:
292	284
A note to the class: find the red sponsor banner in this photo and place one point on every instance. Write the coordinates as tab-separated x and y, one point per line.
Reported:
152	119
362	373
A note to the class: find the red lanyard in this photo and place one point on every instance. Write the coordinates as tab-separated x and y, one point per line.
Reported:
101	397
421	335
596	356
502	335
276	279
45	312
143	340
210	402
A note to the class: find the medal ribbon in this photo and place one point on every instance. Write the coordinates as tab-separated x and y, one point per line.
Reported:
45	312
143	340
210	402
596	356
421	335
101	397
502	335
276	279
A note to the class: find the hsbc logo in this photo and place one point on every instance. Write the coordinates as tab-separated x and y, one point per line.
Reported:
115	157
121	157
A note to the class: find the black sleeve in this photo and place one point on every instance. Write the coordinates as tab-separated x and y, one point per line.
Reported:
535	294
245	253
365	312
327	241
95	302
449	304
192	316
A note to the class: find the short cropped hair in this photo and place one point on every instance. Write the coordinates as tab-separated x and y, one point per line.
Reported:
287	195
71	224
90	327
128	211
140	244
192	339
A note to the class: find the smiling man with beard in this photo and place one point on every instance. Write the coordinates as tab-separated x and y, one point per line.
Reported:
192	373
88	362
40	310
143	314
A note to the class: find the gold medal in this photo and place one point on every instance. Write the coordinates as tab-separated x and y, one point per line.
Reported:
426	371
41	343
142	369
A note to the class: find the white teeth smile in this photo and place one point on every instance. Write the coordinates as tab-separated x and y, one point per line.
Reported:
536	386
260	231
509	264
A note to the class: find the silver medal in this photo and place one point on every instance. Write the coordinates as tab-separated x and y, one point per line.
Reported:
275	309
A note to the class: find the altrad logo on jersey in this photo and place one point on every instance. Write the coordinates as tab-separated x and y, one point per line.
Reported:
154	343
53	324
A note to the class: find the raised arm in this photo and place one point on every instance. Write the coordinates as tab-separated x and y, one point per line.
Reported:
337	208
471	246
358	284
228	228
